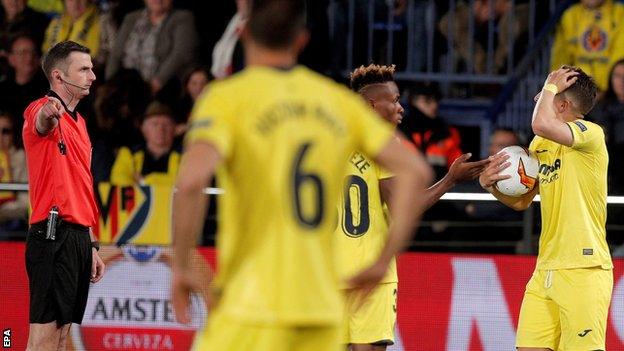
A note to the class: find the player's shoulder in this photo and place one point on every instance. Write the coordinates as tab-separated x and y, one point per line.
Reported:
229	84
586	126
537	142
228	89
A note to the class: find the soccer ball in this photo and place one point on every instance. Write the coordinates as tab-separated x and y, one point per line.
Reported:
523	170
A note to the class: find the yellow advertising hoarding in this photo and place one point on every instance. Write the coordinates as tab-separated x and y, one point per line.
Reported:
138	214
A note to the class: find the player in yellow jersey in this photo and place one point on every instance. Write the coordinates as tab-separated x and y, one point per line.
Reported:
566	302
279	136
363	227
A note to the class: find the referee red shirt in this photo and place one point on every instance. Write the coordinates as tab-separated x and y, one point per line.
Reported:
59	180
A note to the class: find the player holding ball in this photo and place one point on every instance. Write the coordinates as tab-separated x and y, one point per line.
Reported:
567	299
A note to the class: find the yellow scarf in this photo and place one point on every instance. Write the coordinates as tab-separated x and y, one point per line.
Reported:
85	30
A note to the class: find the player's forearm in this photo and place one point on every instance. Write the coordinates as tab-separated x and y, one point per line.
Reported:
408	204
189	202
190	206
516	203
435	192
44	125
544	116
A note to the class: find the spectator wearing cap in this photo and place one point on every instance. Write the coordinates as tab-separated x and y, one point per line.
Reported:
154	162
439	142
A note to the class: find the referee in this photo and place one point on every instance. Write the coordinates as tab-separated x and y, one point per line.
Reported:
61	252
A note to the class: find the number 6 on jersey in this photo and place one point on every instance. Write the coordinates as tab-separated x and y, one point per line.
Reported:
301	180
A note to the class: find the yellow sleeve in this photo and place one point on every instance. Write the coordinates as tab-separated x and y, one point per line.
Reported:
371	132
211	121
532	144
123	170
587	136
561	51
382	173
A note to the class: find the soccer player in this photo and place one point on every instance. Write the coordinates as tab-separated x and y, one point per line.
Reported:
363	228
280	136
567	299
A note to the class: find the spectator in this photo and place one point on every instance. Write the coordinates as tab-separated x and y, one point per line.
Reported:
590	36
224	60
25	82
483	11
17	18
609	113
109	25
193	85
80	22
13	207
159	41
156	161
119	106
501	138
439	142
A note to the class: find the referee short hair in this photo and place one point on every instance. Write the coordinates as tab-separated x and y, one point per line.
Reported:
57	55
275	23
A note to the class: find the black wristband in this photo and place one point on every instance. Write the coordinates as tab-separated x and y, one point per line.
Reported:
95	245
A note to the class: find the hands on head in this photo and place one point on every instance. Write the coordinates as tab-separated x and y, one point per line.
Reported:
563	78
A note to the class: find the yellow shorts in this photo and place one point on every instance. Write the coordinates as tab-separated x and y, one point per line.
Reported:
373	322
566	309
225	334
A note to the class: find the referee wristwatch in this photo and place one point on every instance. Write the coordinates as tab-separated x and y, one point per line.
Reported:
95	245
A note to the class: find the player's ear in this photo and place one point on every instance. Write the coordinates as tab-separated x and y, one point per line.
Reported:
302	39
567	105
371	102
560	104
56	75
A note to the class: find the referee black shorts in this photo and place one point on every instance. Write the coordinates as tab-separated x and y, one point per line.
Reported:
59	273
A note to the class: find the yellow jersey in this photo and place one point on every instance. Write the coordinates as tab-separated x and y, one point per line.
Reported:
591	39
363	226
130	164
573	191
285	137
85	30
